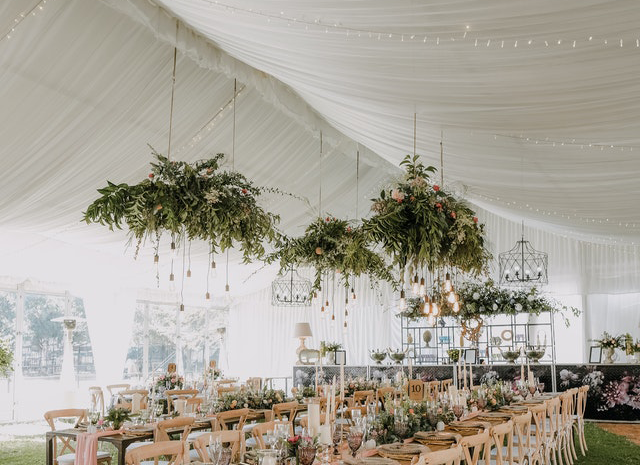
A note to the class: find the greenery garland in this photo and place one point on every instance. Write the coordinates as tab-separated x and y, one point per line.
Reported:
419	224
6	359
332	245
486	299
196	200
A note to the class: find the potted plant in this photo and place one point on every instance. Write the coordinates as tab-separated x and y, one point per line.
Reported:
328	349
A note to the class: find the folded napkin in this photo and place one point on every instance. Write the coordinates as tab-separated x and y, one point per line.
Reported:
87	446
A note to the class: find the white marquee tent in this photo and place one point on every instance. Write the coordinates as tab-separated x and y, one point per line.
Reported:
537	105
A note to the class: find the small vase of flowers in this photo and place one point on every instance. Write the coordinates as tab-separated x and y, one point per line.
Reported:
609	344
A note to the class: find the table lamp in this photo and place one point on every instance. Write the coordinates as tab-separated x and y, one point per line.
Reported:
301	331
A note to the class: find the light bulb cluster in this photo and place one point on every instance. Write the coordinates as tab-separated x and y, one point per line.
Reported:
37	8
429	307
546	141
465	35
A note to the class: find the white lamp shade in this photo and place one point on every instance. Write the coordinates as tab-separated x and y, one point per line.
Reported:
302	330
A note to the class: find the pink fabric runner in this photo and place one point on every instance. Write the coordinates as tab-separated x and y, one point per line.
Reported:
87	447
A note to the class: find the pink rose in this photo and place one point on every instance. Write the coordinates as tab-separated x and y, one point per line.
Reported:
436	187
397	195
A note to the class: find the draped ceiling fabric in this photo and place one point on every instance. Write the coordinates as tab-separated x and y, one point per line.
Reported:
536	102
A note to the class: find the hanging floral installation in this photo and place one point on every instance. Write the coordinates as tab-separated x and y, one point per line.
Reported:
190	201
422	226
330	245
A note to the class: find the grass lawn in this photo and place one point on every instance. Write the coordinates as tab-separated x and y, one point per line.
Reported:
604	447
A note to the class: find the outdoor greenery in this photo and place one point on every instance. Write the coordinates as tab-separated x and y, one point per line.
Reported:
6	359
331	245
420	225
192	201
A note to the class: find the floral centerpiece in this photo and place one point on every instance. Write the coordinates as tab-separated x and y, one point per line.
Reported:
421	225
607	341
255	400
491	396
213	373
169	381
359	384
195	201
331	245
636	347
117	416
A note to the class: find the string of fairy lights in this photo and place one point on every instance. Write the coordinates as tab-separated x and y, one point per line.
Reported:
464	33
19	19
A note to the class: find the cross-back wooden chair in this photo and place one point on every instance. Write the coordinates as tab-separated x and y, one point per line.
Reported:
234	438
432	390
116	388
262	428
476	447
565	426
362	398
193	404
254	383
96	399
286	408
125	398
523	450
68	458
232	418
552	429
450	456
160	432
538	431
578	423
382	394
173	394
176	450
502	435
445	384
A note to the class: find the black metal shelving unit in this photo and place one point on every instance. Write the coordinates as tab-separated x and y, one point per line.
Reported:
502	332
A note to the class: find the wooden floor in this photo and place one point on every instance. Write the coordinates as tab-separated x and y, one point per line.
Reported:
630	431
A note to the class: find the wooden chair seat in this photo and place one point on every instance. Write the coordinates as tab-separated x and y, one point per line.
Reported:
176	450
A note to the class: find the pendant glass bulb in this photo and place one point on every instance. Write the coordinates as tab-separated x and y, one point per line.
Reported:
173	250
403	301
431	320
456	307
451	298
423	289
434	309
353	294
415	287
447	282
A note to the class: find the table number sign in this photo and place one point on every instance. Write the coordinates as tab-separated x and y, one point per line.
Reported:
416	389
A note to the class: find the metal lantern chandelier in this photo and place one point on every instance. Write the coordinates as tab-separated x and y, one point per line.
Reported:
523	265
291	290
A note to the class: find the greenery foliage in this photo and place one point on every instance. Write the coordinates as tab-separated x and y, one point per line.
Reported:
6	359
117	416
197	200
329	347
332	245
421	225
255	400
488	299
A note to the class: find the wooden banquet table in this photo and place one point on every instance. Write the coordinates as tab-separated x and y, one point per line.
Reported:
122	441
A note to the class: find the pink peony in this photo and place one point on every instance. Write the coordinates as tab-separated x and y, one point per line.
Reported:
397	195
436	187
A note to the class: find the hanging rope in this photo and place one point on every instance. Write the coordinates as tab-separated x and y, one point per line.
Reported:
414	134
441	162
173	88
233	137
357	182
320	180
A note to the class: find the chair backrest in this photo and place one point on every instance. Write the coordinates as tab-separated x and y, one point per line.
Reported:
96	397
173	394
234	438
567	406
52	415
286	408
239	416
502	434
445	384
522	433
432	390
174	449
553	413
475	447
382	394
254	383
362	398
226	381
116	388
226	389
581	401
192	404
160	431
450	456
125	398
262	428
539	416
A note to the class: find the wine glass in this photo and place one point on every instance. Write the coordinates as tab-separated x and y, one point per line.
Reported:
481	402
337	438
306	455
458	410
532	389
270	439
354	439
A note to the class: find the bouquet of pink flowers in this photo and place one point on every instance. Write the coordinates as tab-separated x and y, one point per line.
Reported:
169	381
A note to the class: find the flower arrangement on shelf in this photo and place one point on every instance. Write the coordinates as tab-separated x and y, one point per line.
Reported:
454	355
326	347
169	381
488	299
419	224
117	416
626	343
415	309
607	341
636	347
6	359
331	245
194	201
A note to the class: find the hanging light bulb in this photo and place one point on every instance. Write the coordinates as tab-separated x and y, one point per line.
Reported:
353	294
322	312
346	306
456	307
423	289
214	271
415	287
207	296
451	298
447	282
344	327
434	309
227	293
156	258
431	320
333	321
403	301
174	251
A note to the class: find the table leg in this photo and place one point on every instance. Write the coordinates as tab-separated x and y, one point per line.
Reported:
121	451
49	449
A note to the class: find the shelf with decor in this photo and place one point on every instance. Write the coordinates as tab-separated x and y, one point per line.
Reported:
498	335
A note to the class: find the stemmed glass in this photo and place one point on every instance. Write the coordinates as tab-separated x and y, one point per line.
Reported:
481	402
306	455
458	410
215	448
354	439
270	439
540	387
337	438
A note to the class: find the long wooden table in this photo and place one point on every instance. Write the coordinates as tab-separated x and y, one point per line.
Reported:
122	441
